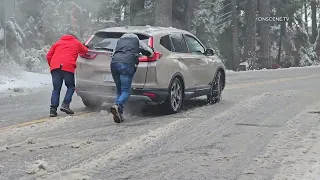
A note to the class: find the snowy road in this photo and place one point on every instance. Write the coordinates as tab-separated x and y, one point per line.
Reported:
266	127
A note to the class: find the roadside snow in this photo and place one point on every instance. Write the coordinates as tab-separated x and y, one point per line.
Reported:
269	70
27	80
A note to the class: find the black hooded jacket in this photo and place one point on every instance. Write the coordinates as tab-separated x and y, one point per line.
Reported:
128	48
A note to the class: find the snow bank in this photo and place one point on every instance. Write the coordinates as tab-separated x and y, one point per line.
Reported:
26	80
268	70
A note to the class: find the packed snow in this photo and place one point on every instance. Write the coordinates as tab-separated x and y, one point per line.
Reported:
27	80
269	70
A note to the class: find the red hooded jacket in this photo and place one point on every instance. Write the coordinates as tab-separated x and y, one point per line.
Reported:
65	53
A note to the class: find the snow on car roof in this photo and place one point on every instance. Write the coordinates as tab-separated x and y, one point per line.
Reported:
150	30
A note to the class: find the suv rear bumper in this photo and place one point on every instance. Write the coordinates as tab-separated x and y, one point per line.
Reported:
155	95
109	93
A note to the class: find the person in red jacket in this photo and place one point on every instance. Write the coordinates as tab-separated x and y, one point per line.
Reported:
62	58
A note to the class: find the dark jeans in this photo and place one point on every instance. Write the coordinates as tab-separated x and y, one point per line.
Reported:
122	75
58	76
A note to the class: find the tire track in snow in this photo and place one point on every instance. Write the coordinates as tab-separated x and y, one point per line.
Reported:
120	152
289	154
146	141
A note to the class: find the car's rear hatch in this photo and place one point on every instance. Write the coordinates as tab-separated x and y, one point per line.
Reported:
94	68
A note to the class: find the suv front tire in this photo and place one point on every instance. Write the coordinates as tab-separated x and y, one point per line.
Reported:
215	94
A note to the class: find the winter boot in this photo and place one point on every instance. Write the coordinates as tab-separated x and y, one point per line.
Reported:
65	108
53	112
116	115
118	120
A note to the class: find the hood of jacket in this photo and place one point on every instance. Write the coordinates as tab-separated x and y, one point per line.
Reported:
129	35
67	37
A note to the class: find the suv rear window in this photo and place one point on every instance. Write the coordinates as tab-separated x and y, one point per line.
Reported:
108	40
166	42
179	43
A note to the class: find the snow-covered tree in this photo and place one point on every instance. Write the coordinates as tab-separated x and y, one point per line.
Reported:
33	35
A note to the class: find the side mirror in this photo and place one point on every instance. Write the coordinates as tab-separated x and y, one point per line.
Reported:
209	52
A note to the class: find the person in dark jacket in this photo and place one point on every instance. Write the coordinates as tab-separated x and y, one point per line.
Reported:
123	66
62	58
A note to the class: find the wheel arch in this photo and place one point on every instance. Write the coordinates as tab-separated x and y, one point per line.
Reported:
223	75
180	77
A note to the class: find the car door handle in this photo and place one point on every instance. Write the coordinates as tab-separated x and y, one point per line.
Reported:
180	59
198	59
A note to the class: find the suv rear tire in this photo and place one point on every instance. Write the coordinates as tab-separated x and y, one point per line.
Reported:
174	101
92	104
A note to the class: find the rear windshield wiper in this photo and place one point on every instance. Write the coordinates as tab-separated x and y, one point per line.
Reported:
103	48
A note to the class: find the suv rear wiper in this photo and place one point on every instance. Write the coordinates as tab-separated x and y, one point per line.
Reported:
104	48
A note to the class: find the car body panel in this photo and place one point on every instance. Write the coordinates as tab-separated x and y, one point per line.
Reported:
160	73
197	71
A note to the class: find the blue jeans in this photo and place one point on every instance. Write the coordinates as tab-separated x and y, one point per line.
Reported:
122	75
58	76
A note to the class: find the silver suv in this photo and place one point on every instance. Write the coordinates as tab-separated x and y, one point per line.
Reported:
182	68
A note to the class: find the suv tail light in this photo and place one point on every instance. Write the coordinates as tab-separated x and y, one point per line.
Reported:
88	40
155	57
151	42
89	56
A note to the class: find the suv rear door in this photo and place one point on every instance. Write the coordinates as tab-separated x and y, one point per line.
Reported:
94	68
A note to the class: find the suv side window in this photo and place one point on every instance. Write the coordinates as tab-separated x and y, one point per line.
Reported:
166	42
194	45
179	43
